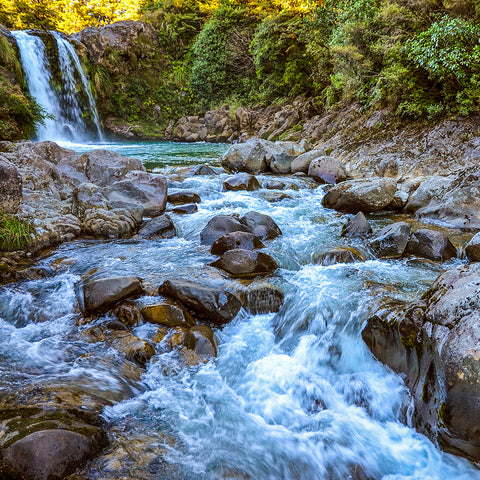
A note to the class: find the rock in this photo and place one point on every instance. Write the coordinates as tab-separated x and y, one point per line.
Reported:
98	295
241	181
116	223
203	170
294	149
301	164
400	199
274	185
220	225
358	226
391	241
253	156
230	241
326	170
168	314
364	195
11	190
147	190
274	197
185	209
472	248
430	244
180	198
260	297
434	344
52	454
202	342
135	349
244	263
261	225
339	255
159	227
209	303
281	162
128	314
104	168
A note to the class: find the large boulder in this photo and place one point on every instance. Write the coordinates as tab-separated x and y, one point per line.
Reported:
11	190
114	223
99	295
435	344
209	303
220	225
301	164
244	263
391	241
472	248
327	170
261	225
362	195
253	156
158	227
430	244
241	181
52	454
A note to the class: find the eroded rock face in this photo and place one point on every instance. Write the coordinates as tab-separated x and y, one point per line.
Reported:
98	295
435	343
212	304
11	190
353	196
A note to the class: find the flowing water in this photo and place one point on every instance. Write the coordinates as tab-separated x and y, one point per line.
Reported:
292	395
68	100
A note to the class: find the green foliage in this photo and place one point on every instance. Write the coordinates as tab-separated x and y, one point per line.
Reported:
14	233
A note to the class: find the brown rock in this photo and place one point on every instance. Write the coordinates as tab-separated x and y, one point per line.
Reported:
472	248
168	314
243	263
339	255
180	198
430	244
241	181
261	225
230	241
220	225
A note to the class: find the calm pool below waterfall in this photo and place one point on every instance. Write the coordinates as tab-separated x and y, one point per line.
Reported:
292	395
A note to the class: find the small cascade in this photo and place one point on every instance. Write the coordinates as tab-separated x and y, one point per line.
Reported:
58	84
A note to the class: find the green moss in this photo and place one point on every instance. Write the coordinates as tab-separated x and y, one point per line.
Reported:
14	233
444	415
426	395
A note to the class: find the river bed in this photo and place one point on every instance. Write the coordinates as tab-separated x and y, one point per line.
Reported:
292	395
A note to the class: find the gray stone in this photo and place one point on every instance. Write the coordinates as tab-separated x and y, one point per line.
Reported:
220	225
241	181
301	164
391	241
230	241
261	225
358	226
159	227
326	170
430	244
11	190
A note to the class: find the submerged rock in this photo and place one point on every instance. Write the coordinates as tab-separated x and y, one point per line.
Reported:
209	303
243	263
339	255
260	297
364	195
430	244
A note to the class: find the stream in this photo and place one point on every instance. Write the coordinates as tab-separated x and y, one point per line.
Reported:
291	395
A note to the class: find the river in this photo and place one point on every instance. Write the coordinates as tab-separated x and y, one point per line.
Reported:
291	395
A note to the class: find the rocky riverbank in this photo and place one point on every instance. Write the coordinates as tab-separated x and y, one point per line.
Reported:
103	195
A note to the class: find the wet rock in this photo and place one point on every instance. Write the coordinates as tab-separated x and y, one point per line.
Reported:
98	295
400	199
241	181
11	190
135	349
220	225
253	156
230	241
210	303
244	263
261	225
52	454
185	209
203	170
301	164
358	226
339	255
326	170
281	162
434	344
159	227
430	244
260	297
180	198
472	248
168	314
104	168
274	185
391	241
202	342
128	314
140	188
353	196
274	197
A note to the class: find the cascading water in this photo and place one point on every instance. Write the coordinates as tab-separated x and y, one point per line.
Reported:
71	117
293	395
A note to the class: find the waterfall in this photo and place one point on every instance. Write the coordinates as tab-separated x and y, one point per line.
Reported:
65	95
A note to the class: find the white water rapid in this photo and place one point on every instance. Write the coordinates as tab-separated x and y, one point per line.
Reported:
71	117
